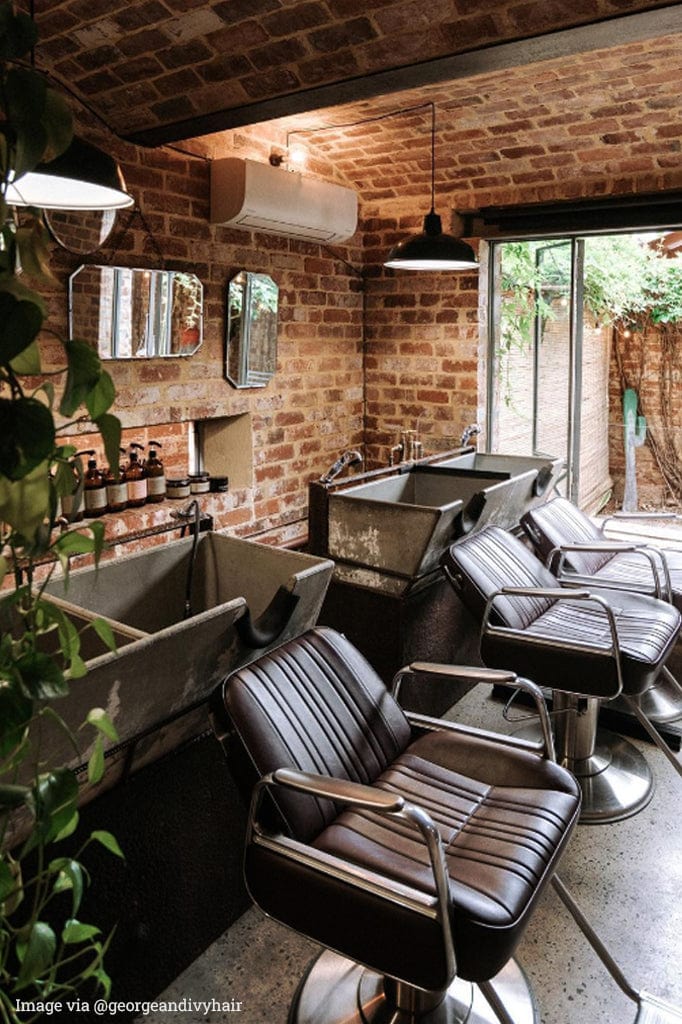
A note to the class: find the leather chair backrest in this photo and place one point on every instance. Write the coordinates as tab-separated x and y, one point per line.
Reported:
559	522
315	704
491	559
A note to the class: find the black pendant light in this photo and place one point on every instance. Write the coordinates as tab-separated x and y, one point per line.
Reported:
432	250
83	177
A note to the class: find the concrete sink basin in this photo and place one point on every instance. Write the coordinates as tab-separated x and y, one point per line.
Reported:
402	523
155	686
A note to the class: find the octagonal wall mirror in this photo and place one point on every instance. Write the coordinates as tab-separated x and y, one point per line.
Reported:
251	343
133	313
80	231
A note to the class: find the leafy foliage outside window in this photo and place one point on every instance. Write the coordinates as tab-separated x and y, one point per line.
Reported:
46	950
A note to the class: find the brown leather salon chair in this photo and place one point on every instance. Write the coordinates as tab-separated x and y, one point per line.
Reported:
413	849
577	551
587	646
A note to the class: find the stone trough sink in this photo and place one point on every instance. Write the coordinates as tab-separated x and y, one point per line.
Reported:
245	598
402	523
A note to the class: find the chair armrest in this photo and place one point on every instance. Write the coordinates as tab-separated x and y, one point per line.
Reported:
355	794
499	677
556	559
352	793
556	594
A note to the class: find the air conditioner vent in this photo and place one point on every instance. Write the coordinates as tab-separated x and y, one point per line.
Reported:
257	197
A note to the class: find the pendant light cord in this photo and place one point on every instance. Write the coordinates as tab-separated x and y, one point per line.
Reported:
433	157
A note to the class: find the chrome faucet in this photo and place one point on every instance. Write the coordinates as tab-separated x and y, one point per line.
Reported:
191	513
349	458
470	431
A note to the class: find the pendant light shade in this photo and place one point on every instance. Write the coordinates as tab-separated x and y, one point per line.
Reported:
432	250
83	177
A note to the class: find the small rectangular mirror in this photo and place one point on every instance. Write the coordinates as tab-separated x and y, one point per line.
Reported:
135	313
251	347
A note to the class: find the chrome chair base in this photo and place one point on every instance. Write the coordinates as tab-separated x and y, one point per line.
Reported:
661	703
615	779
336	990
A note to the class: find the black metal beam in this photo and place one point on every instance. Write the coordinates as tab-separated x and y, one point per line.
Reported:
606	215
606	34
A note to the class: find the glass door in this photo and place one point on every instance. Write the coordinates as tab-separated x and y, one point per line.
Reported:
534	383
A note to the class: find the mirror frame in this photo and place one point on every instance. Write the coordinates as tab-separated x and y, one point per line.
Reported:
150	346
240	370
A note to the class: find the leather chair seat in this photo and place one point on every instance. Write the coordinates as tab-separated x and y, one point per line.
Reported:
499	826
360	882
560	522
646	628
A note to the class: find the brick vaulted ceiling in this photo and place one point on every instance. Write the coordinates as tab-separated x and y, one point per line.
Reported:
527	91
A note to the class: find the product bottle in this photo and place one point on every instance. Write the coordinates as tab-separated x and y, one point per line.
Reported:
136	481
72	504
94	491
117	490
156	476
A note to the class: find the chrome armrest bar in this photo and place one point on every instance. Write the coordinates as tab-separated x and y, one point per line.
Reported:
496	676
353	794
557	557
557	594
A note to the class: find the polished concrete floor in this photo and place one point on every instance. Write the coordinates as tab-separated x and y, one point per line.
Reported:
626	876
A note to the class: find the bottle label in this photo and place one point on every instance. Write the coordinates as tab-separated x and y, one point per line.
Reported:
137	489
95	498
156	484
117	494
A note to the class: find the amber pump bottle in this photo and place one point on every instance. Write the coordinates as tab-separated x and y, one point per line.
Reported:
94	491
136	478
117	490
156	476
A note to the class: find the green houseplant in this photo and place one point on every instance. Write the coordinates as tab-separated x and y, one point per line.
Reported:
46	951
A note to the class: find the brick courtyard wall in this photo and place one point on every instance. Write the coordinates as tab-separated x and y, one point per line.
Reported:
642	366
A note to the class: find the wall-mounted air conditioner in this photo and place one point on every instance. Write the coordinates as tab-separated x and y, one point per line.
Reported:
258	197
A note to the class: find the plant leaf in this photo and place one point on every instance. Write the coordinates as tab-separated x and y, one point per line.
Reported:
70	876
109	841
75	931
110	428
82	375
27	435
106	635
96	761
24	503
20	321
54	803
98	718
41	676
28	363
16	709
36	955
101	397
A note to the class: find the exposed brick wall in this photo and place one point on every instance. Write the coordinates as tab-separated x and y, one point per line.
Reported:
642	365
422	338
310	410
